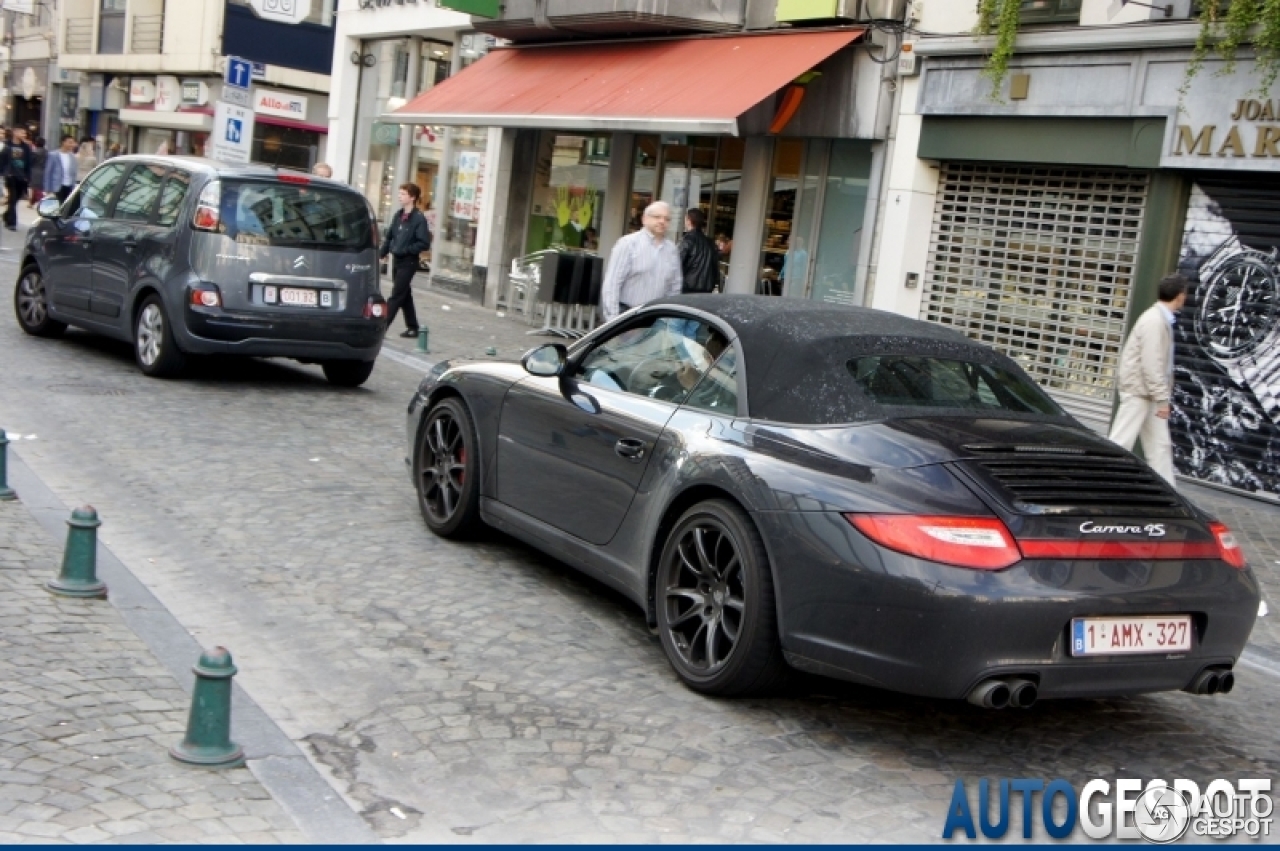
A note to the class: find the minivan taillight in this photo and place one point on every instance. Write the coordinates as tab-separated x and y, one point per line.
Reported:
979	543
207	215
1228	547
375	308
206	295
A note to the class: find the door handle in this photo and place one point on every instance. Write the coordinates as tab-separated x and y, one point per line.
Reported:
630	448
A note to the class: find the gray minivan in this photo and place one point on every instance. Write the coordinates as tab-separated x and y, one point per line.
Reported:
180	255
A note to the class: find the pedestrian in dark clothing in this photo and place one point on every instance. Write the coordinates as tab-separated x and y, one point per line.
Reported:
15	165
699	257
407	237
39	156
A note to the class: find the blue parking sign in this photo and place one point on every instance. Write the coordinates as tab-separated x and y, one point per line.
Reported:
239	72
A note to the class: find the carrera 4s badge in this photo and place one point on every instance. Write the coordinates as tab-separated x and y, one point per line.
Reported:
1151	530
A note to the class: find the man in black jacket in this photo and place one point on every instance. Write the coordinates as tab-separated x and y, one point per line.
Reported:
407	237
699	258
15	165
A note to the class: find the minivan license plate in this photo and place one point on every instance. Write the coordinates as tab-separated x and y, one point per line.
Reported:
293	295
1112	636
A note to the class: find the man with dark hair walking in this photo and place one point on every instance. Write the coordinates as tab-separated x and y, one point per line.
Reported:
407	237
15	165
1146	379
60	169
699	257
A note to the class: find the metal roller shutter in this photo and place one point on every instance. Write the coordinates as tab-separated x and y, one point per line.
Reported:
1038	263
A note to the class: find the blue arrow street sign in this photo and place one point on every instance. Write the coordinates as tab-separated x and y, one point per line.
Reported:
239	72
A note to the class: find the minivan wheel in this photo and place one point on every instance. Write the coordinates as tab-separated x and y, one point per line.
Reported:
347	373
154	347
31	305
715	603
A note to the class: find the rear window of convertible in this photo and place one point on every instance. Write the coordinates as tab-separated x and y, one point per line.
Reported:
934	382
294	216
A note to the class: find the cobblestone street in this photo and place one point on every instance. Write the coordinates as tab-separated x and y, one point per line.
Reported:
455	692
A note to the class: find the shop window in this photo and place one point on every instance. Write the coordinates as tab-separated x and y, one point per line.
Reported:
455	219
833	269
284	147
572	173
686	172
382	90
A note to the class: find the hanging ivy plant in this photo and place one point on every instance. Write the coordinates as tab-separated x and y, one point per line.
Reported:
1225	27
1001	17
1228	25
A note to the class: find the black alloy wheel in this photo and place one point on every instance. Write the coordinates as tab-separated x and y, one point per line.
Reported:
31	305
447	470
715	603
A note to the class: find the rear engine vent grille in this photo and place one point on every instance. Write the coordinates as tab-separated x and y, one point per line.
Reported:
1068	479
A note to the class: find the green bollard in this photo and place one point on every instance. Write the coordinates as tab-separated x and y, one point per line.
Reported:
423	338
6	493
491	351
207	743
79	576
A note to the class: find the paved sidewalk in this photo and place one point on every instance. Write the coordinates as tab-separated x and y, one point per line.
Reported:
87	715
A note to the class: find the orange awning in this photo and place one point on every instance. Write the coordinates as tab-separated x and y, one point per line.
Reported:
686	85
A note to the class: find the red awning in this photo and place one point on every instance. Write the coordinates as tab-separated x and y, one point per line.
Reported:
687	85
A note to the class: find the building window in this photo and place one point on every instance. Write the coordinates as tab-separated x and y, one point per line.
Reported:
1050	11
111	27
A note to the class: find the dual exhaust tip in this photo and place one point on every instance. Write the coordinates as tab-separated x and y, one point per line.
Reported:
1001	692
1021	693
1212	681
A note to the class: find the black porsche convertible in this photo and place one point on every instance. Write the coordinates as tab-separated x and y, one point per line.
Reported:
782	484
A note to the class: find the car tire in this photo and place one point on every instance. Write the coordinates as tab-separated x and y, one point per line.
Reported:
154	346
31	305
716	611
347	373
446	470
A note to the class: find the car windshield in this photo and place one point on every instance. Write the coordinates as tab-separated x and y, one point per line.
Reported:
934	382
295	216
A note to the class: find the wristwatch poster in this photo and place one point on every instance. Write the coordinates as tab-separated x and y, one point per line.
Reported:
1225	418
1236	321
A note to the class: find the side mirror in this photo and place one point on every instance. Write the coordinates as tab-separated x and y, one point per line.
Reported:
546	361
48	208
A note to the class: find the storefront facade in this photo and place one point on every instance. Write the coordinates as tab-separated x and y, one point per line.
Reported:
1055	216
171	114
786	208
386	55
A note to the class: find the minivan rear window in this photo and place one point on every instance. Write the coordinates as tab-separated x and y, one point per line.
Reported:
294	216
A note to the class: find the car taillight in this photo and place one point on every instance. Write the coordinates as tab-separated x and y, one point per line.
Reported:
375	309
1228	547
1150	550
290	177
207	296
207	216
980	543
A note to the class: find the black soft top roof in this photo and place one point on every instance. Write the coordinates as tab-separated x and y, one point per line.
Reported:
796	353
